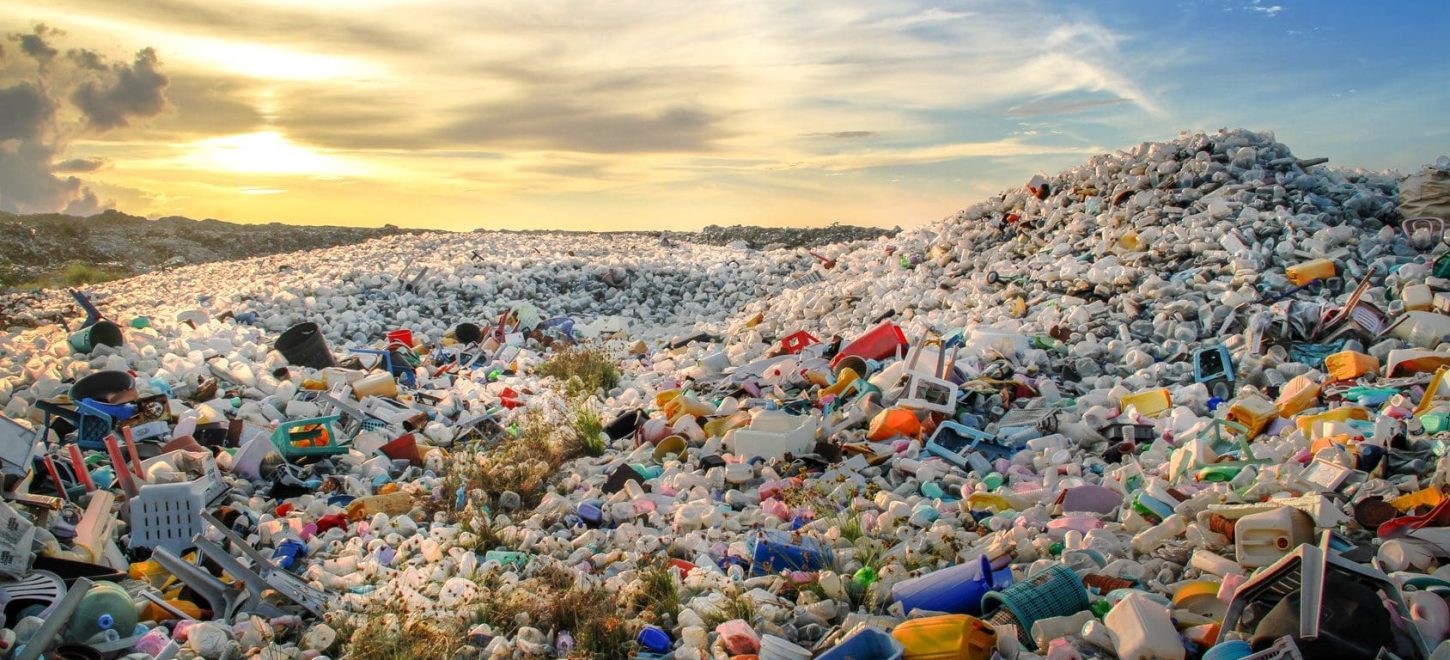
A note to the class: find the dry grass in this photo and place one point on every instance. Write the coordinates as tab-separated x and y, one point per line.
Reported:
583	371
384	636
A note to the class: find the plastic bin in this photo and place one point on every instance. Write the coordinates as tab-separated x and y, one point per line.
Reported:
946	637
304	346
868	644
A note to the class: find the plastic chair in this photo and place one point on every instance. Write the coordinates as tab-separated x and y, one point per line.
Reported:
169	515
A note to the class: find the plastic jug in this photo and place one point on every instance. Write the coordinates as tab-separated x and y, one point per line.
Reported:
738	638
1417	297
106	606
1149	403
1317	269
1423	329
1296	395
878	343
893	422
954	590
1144	630
1254	412
773	551
946	637
379	383
868	644
1261	539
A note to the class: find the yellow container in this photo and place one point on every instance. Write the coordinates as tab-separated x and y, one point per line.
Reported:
1429	497
664	397
1348	365
1297	395
1318	269
1150	403
946	637
846	380
1254	412
1342	414
686	405
717	427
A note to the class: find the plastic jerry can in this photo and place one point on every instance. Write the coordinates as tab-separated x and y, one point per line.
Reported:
1348	365
1423	329
954	590
375	384
1306	423
1297	395
106	606
1417	297
946	637
1263	538
1317	269
869	644
1254	412
1144	630
1148	403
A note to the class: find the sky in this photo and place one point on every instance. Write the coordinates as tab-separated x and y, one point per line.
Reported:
612	115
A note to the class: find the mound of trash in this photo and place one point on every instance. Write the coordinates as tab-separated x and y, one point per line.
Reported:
1187	400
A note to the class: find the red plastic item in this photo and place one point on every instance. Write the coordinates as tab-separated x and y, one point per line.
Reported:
684	566
1437	517
404	447
509	398
331	521
878	343
283	509
797	342
404	337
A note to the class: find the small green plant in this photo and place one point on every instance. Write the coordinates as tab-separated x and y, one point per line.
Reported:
584	371
850	524
75	273
736	606
588	427
660	594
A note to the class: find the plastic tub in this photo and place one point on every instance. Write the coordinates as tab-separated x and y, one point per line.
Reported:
946	637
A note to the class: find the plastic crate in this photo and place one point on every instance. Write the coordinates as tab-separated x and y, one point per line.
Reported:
1056	591
308	437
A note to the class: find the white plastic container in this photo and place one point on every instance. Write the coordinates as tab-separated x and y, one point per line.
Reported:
773	433
1423	329
1261	539
1143	629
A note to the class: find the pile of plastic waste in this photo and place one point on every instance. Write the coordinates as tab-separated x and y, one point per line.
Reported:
1188	400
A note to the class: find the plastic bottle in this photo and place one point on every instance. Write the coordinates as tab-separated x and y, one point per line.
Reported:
1152	538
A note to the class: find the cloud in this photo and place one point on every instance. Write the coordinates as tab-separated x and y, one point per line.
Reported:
34	133
136	91
842	135
1061	107
571	127
80	165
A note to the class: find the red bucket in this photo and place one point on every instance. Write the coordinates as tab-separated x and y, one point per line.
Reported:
404	337
878	343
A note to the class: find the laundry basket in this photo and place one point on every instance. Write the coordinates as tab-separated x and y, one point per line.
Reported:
169	515
1055	591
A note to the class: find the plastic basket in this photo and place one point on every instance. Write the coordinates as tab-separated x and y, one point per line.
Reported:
1055	591
308	437
169	515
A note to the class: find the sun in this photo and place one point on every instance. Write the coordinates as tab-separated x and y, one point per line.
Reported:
265	152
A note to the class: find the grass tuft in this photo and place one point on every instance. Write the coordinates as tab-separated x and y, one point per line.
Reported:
584	371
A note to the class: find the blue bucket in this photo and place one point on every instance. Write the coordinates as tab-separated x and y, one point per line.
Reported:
954	590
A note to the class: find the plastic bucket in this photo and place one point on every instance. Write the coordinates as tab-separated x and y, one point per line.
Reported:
878	343
103	386
303	345
404	337
100	333
671	446
624	425
467	333
869	643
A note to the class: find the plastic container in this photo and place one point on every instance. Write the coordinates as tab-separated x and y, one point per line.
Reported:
738	638
773	551
1423	329
303	345
778	648
878	343
1261	539
1317	269
1144	630
1417	297
954	590
868	644
106	606
894	422
1254	412
1149	403
654	639
774	433
946	637
378	383
1296	395
467	333
308	437
1348	365
104	386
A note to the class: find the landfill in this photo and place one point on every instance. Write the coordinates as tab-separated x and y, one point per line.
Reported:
1187	400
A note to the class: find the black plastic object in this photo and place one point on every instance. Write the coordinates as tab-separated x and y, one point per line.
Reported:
624	425
304	346
468	333
621	476
102	385
1353	624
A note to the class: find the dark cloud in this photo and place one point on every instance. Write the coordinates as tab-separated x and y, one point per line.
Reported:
136	91
209	105
843	135
35	44
86	59
571	127
80	165
34	177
